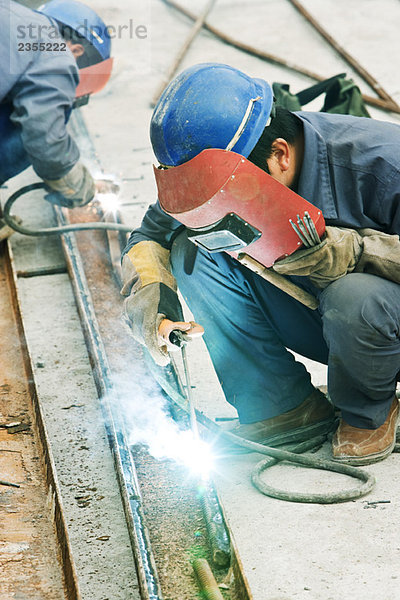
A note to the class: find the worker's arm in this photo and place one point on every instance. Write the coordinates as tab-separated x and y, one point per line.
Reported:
41	88
344	251
152	308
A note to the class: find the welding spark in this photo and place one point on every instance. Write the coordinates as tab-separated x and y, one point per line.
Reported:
109	202
107	192
197	455
184	448
148	422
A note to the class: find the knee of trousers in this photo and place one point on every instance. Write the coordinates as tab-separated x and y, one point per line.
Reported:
361	309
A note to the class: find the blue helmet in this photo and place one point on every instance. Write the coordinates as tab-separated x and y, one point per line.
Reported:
81	19
209	105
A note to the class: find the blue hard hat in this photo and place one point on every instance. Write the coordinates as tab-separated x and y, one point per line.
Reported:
81	19
209	105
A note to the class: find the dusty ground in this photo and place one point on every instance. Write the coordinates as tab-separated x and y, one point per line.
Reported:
29	556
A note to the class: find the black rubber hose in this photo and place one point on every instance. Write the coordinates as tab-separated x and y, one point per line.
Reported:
9	220
169	381
277	454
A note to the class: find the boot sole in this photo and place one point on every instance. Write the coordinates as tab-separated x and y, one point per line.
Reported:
300	434
369	459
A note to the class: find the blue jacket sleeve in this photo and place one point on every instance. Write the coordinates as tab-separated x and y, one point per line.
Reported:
156	226
40	85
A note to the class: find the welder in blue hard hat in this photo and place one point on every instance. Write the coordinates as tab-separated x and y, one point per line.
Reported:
230	165
52	59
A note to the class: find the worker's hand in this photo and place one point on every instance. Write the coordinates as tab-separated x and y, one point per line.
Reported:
144	311
191	330
106	186
337	255
76	188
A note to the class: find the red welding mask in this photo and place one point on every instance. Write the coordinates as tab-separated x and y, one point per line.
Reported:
92	79
229	204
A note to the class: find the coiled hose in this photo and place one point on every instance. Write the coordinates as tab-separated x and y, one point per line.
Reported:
11	222
169	380
295	456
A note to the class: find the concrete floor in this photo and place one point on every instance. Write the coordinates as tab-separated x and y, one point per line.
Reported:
288	551
71	409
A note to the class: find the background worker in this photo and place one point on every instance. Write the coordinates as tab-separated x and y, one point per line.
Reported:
52	60
349	167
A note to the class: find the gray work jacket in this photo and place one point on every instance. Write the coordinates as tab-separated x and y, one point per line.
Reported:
39	85
350	170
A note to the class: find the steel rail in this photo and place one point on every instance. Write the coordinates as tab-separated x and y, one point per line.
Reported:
273	58
125	468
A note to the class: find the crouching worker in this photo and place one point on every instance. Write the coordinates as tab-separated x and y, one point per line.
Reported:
52	60
232	167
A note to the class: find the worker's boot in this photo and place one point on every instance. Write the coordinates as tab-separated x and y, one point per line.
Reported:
314	416
355	446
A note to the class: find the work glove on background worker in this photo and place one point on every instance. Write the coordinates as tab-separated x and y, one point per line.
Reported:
344	251
152	308
76	188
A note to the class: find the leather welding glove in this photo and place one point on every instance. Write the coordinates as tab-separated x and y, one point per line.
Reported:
337	255
152	299
344	251
380	255
76	188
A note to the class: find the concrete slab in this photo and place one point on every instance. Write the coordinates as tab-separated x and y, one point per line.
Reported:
74	422
71	409
288	551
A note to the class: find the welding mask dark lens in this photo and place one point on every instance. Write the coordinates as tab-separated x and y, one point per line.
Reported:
230	233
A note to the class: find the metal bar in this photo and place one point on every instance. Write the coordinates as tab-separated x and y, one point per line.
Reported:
311	228
8	483
299	233
279	281
273	58
125	468
34	272
208	586
304	231
185	47
368	78
192	410
218	536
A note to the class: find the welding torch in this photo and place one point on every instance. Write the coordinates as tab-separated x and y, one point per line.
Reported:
180	338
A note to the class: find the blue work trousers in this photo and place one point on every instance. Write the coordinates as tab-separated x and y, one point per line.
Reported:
249	324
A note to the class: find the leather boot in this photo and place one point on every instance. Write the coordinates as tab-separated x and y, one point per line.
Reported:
314	416
355	446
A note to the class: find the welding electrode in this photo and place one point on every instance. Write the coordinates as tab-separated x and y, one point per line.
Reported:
179	339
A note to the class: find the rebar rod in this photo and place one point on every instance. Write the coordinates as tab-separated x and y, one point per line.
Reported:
273	58
183	50
207	583
368	78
